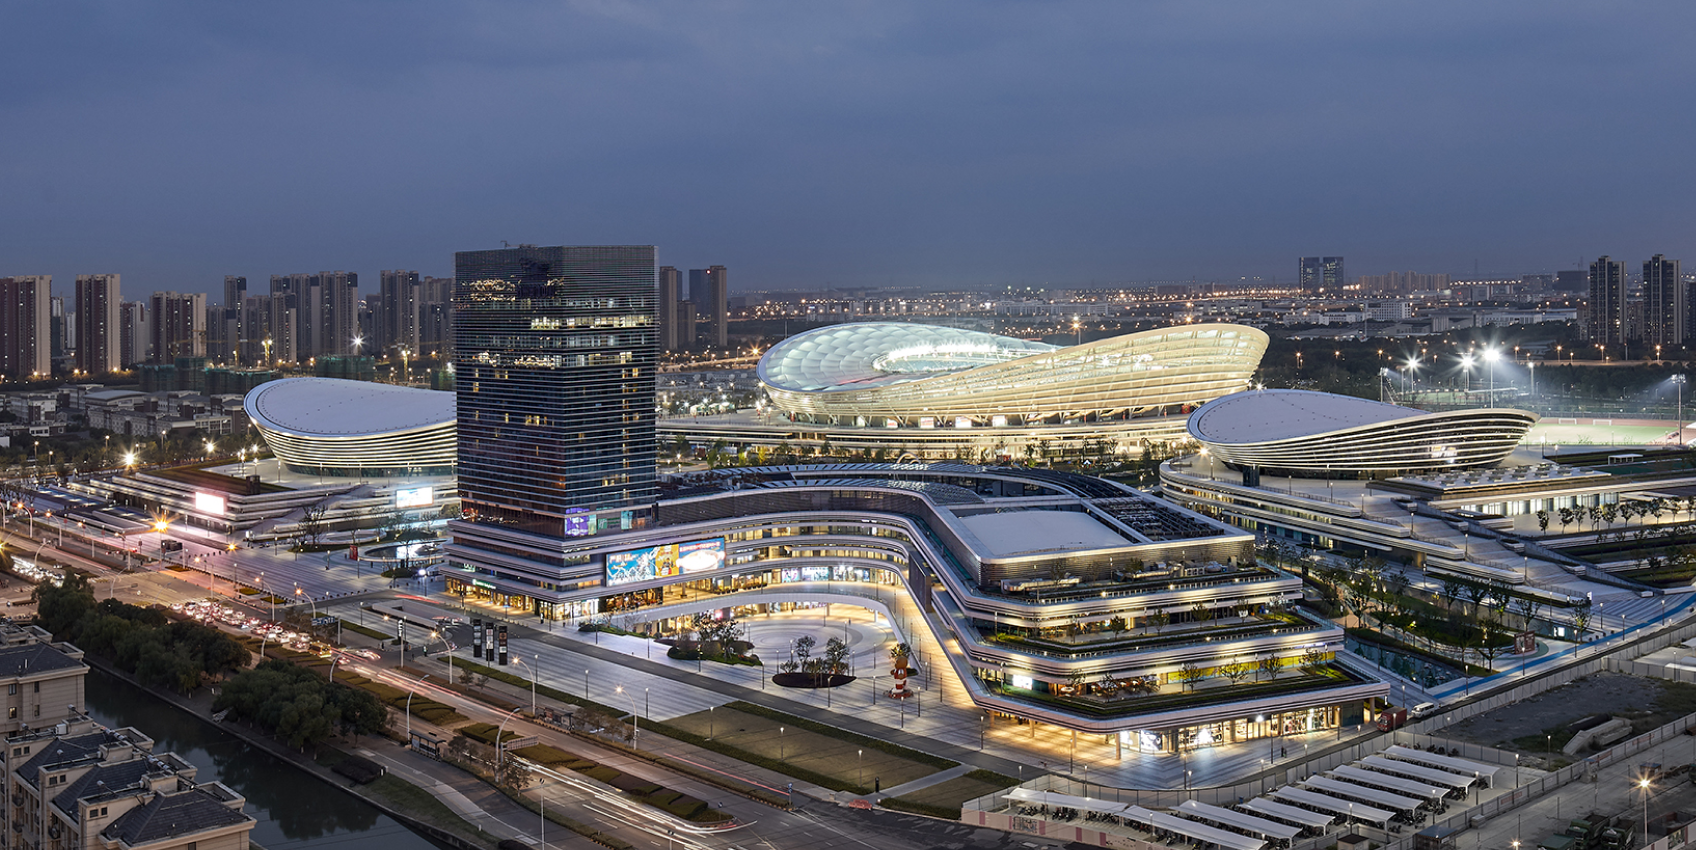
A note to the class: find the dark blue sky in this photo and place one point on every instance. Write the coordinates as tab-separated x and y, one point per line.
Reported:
801	144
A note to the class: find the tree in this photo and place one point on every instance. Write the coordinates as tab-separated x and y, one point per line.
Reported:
298	705
804	649
1313	662
1236	671
1527	607
1270	666
836	655
1542	520
1189	674
1581	616
1117	624
1075	683
1488	647
1452	589
1475	593
1566	517
312	521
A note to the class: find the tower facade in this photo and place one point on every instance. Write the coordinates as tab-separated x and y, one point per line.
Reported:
1665	303
554	359
1606	325
178	326
709	290
671	336
25	333
1320	274
97	323
399	298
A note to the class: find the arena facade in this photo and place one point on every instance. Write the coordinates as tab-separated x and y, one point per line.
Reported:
334	427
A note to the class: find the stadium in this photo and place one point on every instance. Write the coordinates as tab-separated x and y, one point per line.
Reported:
327	426
893	375
1298	432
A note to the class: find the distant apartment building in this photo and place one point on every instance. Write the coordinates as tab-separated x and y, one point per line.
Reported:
268	328
1666	304
671	337
326	307
435	315
178	326
134	333
25	319
98	299
1402	283
395	321
1320	274
1607	322
709	291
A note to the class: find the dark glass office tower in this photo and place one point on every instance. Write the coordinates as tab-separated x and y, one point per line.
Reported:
554	355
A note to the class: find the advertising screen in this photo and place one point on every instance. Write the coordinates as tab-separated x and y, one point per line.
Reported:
209	504
665	561
627	567
700	556
414	497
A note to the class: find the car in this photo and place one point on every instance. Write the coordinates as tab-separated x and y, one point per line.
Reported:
371	654
1423	709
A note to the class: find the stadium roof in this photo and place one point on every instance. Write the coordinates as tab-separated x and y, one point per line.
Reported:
876	354
331	407
1264	415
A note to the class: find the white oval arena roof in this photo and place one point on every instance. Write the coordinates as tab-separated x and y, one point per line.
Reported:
331	407
865	355
1259	416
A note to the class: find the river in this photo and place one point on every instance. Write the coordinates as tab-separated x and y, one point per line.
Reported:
293	808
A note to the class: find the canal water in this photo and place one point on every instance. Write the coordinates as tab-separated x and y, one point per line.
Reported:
294	809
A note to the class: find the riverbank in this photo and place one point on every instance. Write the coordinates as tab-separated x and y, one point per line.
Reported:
409	804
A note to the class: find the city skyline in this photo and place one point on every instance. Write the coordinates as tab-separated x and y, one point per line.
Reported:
936	147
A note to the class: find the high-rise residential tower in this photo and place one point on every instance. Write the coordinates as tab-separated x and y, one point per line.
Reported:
671	336
554	361
1607	302
399	298
134	334
709	290
1666	306
326	308
178	326
25	326
98	297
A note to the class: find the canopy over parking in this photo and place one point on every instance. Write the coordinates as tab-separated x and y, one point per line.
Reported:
1065	801
1371	796
1455	765
1358	811
1410	787
1289	814
1192	830
1419	771
1233	818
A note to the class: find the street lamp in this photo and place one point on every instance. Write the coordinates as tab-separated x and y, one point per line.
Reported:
1466	362
1679	382
1491	355
532	670
635	721
1643	785
409	693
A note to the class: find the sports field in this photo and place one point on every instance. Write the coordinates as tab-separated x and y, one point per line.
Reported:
1586	431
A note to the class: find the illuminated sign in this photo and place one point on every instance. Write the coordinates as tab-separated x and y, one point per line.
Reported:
1023	682
578	526
209	504
701	556
414	497
665	561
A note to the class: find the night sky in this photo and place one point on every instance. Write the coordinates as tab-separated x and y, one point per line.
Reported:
803	144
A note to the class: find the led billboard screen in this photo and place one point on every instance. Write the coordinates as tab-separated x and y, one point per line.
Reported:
209	504
671	559
414	497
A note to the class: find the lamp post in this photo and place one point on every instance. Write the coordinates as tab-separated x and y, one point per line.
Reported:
409	693
532	670
500	739
635	721
1491	355
1643	785
1679	381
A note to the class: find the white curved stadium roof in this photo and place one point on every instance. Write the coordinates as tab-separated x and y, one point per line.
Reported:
1303	432
334	424
876	354
1265	415
878	373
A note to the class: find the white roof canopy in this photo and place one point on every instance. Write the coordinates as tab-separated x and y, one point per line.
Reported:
1232	817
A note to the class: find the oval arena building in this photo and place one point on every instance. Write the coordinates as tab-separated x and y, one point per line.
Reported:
1304	433
878	374
335	427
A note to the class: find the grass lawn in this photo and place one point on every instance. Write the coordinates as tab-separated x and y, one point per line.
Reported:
944	799
843	765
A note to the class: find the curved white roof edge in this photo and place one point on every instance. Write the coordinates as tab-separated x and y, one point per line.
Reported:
337	409
1263	416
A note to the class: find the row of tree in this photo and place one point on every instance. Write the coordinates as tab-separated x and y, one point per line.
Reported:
300	706
157	650
1618	512
832	662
